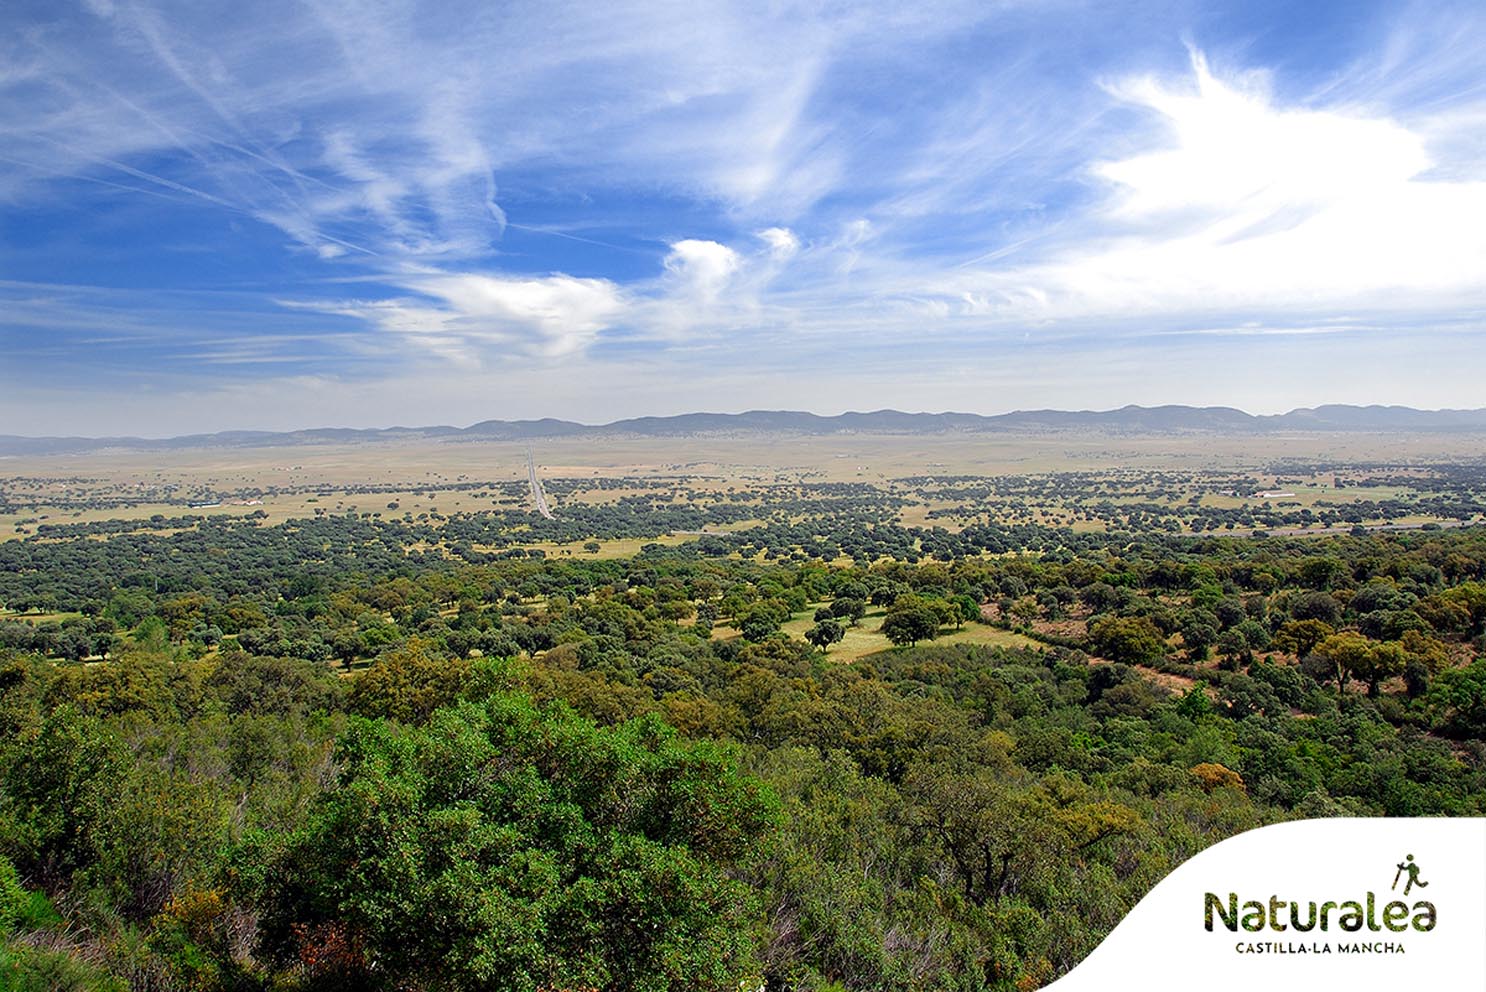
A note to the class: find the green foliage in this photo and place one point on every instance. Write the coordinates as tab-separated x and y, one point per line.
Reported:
1301	637
32	910
59	783
248	684
1470	597
1131	640
504	847
1457	701
30	969
850	608
1194	704
1199	634
13	898
825	633
1348	655
389	783
762	619
910	620
408	684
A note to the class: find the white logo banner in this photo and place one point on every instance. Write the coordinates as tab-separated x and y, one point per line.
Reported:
1313	904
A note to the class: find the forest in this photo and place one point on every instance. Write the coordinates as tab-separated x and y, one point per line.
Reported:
359	753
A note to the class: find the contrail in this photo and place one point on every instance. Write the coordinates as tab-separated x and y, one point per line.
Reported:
537	495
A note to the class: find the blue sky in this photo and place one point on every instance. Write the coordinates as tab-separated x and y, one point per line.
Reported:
276	215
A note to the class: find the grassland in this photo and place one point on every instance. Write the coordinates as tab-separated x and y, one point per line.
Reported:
866	638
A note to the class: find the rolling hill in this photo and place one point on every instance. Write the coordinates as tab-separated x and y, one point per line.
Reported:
1125	420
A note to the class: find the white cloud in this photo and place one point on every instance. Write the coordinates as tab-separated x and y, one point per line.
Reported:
1250	206
700	269
562	312
782	242
1236	154
474	319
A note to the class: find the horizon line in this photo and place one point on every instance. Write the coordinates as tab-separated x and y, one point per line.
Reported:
524	421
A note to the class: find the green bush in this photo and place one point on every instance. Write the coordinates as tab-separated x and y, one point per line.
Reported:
30	969
12	896
506	847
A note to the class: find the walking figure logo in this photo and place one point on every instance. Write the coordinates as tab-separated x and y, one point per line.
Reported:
1408	865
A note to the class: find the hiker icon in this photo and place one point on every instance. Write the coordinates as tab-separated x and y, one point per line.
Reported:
1408	865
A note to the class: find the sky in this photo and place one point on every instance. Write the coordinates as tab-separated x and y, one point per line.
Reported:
278	215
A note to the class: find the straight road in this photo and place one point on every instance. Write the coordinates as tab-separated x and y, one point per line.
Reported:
538	496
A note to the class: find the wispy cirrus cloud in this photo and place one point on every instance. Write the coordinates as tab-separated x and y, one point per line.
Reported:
385	124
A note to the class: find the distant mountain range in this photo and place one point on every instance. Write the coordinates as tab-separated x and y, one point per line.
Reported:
1126	420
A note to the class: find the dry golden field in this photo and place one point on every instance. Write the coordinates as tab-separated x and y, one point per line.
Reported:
447	477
